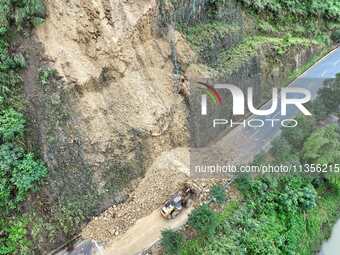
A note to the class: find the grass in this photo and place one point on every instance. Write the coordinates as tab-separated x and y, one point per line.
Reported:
209	37
203	35
231	60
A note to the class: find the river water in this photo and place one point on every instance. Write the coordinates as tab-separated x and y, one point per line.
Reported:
332	246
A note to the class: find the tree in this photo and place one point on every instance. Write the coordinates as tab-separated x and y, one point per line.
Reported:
336	35
282	151
203	220
296	136
330	95
323	146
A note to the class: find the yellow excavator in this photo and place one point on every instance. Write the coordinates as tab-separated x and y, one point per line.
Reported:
178	201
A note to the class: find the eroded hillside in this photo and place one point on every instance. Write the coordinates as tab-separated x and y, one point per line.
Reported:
112	108
112	101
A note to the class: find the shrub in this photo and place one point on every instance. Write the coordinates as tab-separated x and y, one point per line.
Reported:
329	95
171	241
45	75
13	237
19	174
26	174
336	35
323	146
296	136
12	124
283	152
203	220
218	193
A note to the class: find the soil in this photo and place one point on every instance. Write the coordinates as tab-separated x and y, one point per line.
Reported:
166	176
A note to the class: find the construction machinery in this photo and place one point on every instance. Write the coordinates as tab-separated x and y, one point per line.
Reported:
178	201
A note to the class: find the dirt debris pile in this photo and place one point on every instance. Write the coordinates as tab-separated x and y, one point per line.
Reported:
165	176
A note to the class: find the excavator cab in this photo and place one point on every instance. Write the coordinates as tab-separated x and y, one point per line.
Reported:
177	202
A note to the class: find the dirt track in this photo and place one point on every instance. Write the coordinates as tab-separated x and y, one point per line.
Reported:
145	233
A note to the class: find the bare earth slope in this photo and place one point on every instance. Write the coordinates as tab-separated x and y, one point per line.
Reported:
122	107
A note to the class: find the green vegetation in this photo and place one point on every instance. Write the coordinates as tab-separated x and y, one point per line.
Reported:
233	59
225	42
336	35
218	194
330	96
313	19
285	9
203	220
11	124
171	241
207	38
323	146
277	213
15	240
45	74
308	142
20	172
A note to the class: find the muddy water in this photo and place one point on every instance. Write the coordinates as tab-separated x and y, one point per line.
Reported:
332	246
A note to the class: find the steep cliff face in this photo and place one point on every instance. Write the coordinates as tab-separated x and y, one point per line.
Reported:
115	104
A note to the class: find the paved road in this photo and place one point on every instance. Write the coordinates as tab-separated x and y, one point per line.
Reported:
242	144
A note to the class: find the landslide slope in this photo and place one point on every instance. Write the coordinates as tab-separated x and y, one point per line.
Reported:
112	103
109	108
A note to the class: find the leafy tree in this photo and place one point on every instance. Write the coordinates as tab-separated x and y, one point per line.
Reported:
296	136
204	220
329	9
283	151
330	95
171	241
319	110
323	146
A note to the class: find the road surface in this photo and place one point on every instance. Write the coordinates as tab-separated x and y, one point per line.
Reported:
242	144
145	233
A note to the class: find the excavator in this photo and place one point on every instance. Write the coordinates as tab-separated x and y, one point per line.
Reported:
179	201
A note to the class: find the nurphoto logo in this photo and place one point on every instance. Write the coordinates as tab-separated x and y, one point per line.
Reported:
279	104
